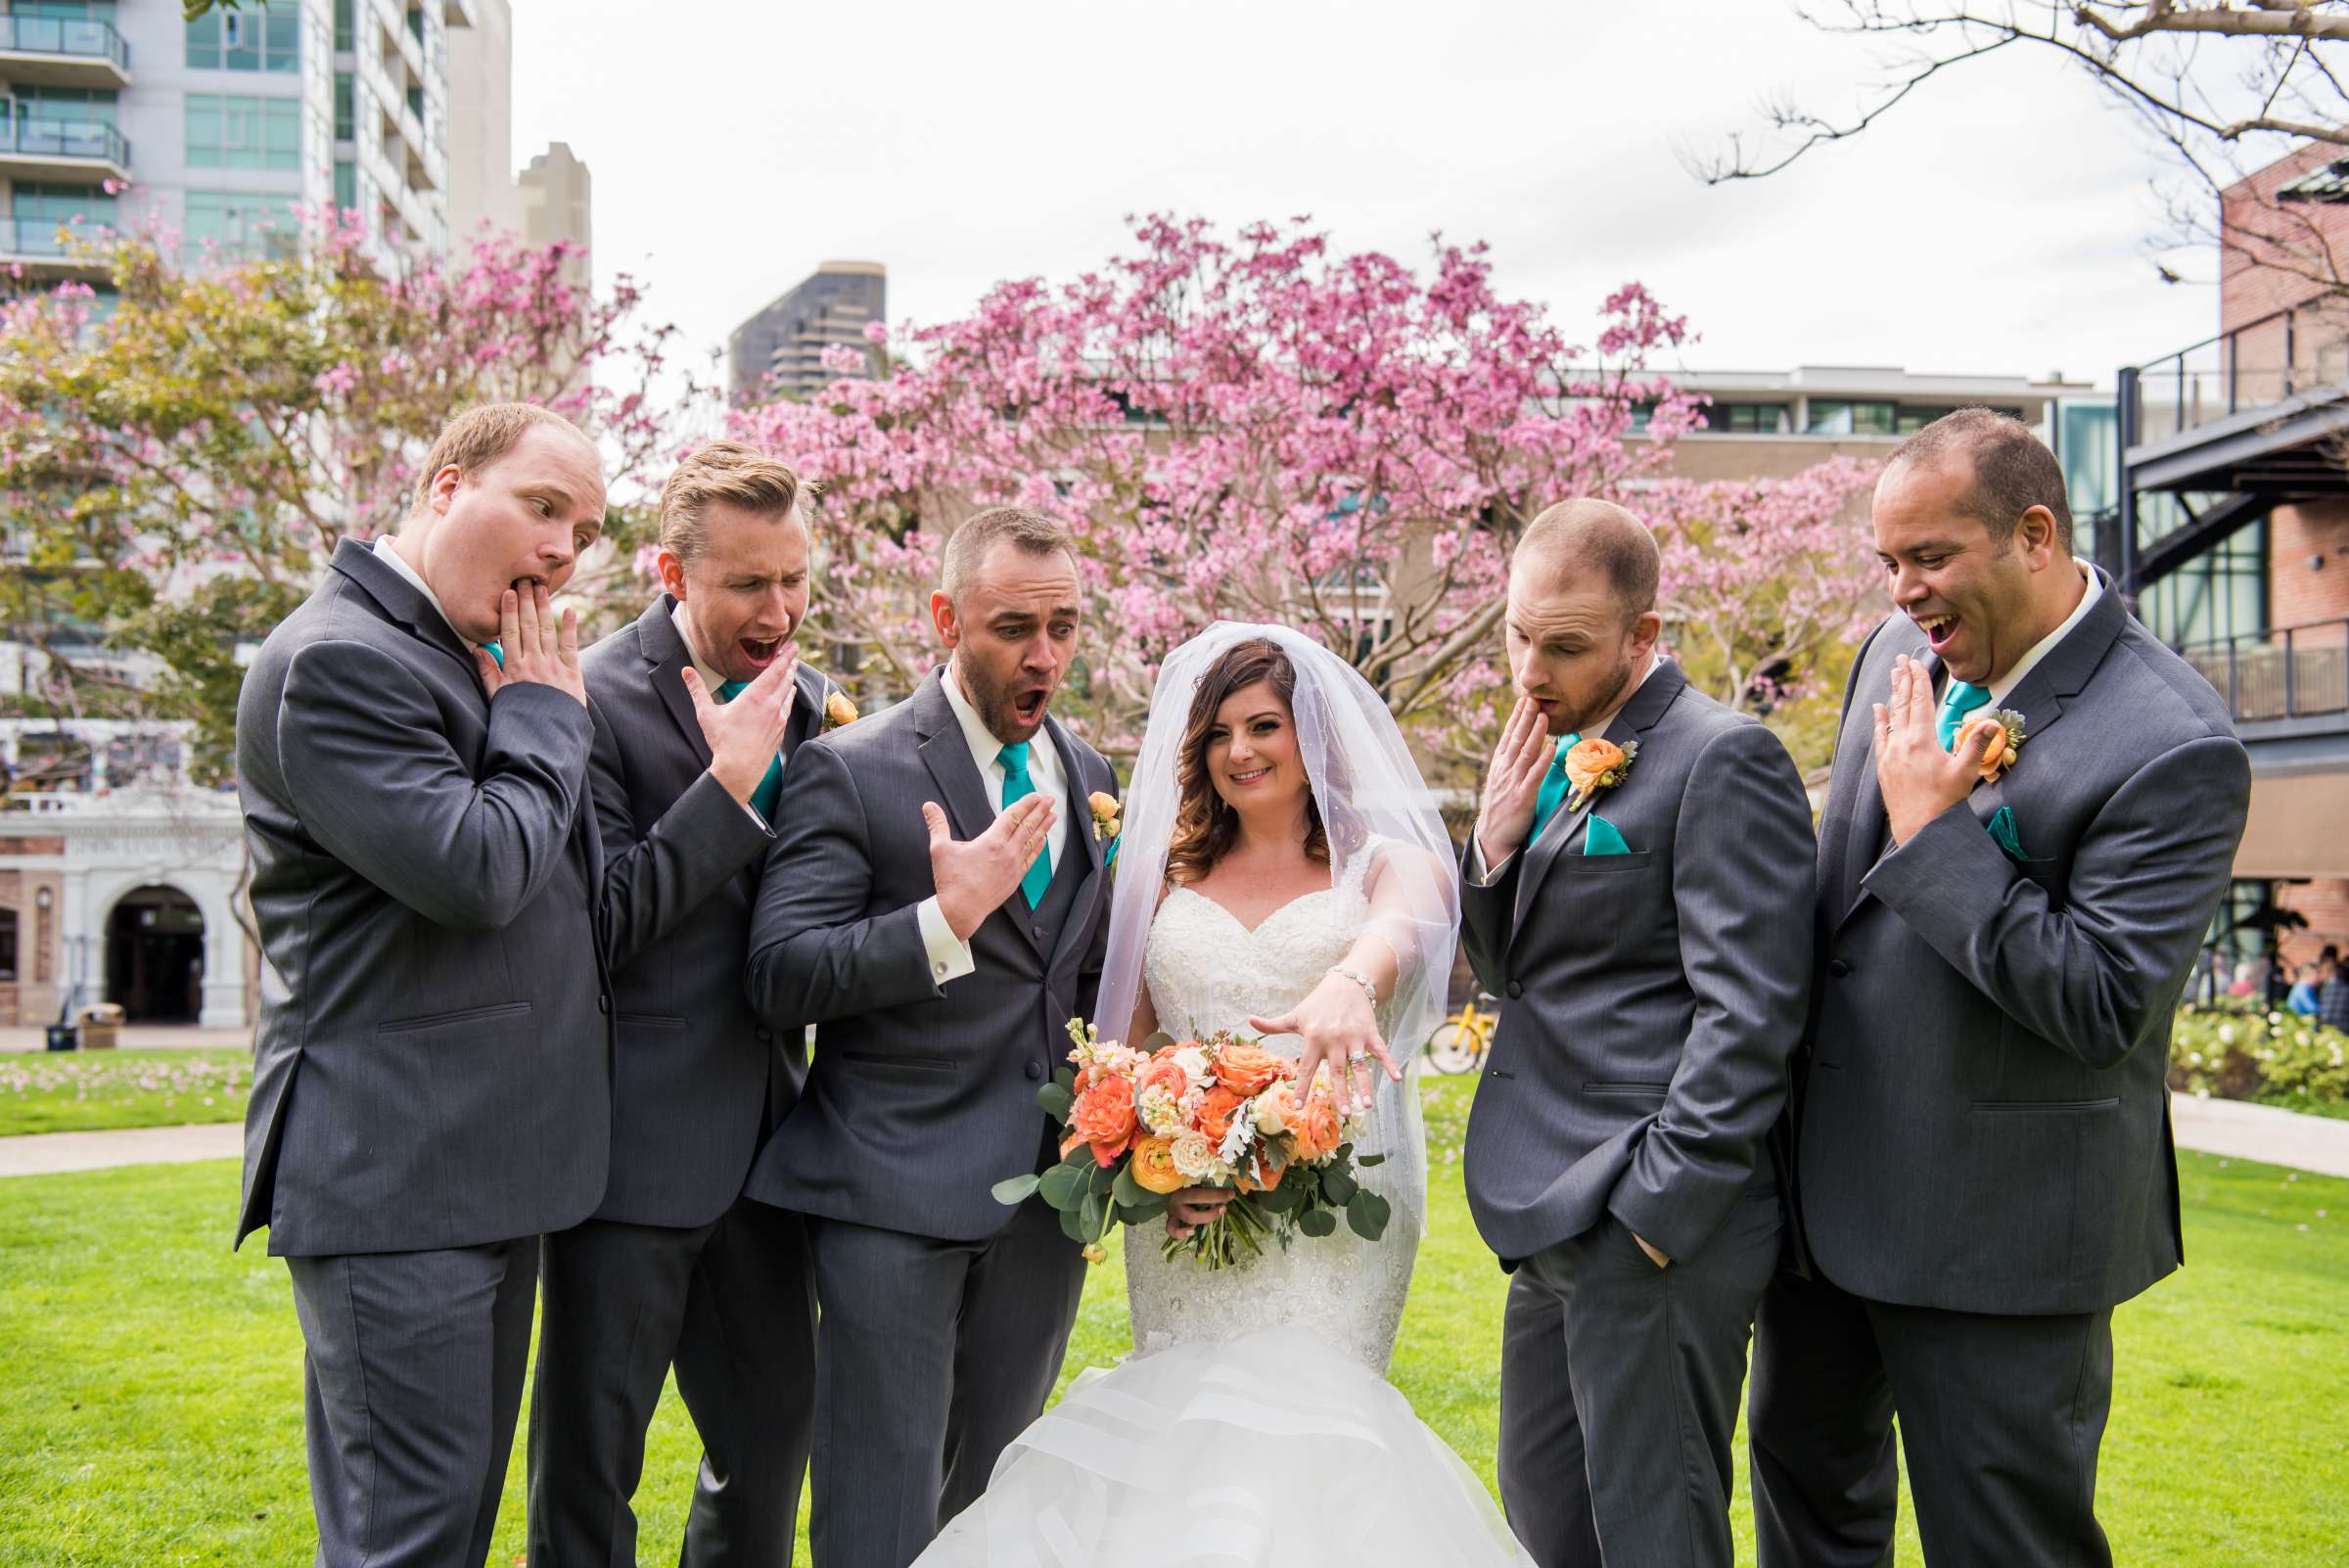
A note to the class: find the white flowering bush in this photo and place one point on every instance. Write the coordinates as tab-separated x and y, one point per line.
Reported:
2240	1053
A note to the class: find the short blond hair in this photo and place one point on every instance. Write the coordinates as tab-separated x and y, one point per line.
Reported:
735	475
1031	532
479	436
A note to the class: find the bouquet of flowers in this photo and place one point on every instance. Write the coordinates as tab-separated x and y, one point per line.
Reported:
1223	1112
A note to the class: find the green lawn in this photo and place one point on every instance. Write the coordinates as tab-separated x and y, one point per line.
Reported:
80	1091
149	1380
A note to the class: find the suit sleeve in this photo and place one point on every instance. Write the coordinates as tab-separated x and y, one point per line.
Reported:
651	883
1743	874
2098	976
817	950
1488	916
375	782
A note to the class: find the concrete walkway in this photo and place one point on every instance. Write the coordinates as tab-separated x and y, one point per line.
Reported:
47	1153
2229	1127
137	1037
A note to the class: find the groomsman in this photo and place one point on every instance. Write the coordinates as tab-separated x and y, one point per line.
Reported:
1982	1134
432	1076
694	707
935	904
1635	853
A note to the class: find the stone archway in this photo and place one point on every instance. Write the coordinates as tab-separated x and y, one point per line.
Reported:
155	955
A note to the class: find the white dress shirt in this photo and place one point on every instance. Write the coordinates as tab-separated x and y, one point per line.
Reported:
1476	848
2047	645
385	551
950	955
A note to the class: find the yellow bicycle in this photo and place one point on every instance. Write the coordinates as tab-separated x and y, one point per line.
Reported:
1460	1042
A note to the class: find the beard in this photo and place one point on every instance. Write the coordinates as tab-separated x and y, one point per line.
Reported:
1579	720
993	701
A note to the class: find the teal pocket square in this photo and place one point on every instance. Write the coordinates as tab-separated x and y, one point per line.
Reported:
1599	837
2001	828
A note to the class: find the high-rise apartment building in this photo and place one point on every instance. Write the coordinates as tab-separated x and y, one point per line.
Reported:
785	342
117	111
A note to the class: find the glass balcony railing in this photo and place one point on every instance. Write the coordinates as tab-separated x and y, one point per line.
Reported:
2296	673
65	138
82	39
46	238
2260	363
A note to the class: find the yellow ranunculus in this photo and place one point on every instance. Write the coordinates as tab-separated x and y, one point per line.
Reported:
1153	1166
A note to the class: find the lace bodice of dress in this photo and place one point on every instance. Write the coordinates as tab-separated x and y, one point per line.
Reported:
1207	972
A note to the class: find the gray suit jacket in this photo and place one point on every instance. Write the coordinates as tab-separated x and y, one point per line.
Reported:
1983	1124
919	1098
1651	999
433	1067
697	1076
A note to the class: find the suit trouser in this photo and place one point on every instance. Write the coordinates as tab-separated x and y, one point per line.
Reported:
412	1382
732	1303
2000	1416
932	1356
1619	1392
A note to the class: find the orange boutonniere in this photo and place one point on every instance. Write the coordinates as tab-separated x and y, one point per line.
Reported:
1596	764
839	709
2008	738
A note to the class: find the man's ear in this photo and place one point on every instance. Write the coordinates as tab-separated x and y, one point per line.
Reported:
1645	632
942	616
445	488
2037	532
672	568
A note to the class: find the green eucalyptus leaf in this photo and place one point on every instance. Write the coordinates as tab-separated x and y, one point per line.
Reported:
1015	1189
1338	1186
1064	1186
1057	1103
1318	1222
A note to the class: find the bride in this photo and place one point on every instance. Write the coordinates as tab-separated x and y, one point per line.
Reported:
1283	873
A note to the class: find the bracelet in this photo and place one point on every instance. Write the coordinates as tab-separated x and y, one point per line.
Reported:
1370	991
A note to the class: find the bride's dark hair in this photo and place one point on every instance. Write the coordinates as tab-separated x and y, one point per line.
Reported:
1205	825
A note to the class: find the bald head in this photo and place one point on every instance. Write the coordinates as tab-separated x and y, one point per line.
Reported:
1585	538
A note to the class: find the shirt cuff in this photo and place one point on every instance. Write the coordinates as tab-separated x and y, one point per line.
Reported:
950	955
1476	863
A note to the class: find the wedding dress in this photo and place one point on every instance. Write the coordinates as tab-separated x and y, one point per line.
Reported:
1253	1424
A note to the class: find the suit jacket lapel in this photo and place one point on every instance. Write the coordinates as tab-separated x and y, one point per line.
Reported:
1081	838
664	655
1641	714
947	756
400	602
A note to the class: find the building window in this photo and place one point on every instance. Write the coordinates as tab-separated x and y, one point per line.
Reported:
265	40
52	106
346	106
347	184
230	132
238	225
2218	594
7	944
1835	417
347	28
1749	419
61	205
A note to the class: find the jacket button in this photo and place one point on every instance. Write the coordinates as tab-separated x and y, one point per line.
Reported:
1838	968
1035	1069
766	1037
603	1004
1515	989
1040	933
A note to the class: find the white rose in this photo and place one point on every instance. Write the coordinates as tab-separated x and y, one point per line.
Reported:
1195	1158
1272	1109
1195	1065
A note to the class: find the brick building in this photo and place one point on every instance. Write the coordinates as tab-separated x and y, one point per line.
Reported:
2234	532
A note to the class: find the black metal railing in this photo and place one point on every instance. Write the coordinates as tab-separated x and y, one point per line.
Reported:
65	138
2291	673
83	39
2256	364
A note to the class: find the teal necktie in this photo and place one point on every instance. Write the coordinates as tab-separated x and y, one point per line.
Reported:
495	652
769	792
1554	786
1960	699
1018	785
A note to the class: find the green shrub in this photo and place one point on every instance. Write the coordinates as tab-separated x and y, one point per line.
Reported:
2237	1053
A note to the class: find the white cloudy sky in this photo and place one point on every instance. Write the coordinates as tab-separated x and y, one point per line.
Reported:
1997	224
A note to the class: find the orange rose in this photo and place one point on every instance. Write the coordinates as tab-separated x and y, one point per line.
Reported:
1591	761
1217	1111
1272	1169
1163	1071
1314	1132
1103	1116
1248	1071
839	711
2001	746
1153	1166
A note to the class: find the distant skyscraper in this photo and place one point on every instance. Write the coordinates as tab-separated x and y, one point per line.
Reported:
555	200
786	340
